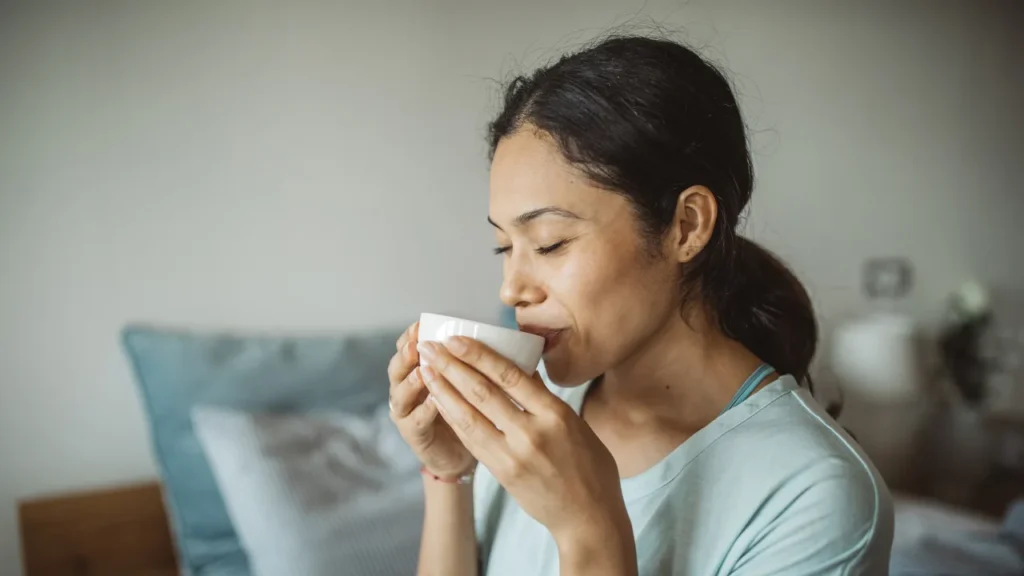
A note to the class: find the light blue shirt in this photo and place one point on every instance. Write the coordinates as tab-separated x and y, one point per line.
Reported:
771	487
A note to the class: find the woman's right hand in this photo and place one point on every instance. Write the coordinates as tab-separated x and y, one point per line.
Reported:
431	439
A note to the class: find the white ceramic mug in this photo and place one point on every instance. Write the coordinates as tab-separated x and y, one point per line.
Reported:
521	348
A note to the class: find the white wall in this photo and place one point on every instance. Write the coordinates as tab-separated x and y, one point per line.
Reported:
319	166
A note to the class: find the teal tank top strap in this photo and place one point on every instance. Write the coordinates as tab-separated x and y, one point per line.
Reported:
749	386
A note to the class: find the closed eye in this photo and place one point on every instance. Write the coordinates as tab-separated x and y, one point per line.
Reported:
545	250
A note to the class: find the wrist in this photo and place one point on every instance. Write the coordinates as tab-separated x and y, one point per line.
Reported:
604	546
464	478
443	496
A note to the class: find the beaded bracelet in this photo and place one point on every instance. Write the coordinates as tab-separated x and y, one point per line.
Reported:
464	479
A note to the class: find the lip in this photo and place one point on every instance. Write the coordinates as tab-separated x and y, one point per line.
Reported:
551	336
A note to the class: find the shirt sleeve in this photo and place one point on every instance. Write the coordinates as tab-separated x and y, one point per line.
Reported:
834	524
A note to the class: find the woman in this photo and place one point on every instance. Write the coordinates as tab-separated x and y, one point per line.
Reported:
669	434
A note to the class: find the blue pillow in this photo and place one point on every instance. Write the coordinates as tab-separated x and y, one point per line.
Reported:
177	370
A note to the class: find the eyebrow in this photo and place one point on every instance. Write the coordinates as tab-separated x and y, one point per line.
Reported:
527	217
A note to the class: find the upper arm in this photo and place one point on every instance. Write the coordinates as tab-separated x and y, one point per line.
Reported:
838	521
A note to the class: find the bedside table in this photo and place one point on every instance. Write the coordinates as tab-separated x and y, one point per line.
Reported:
100	532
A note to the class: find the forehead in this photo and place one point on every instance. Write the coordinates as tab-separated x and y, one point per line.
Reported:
528	173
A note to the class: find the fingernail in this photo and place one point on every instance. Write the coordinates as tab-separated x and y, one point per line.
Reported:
426	349
456	344
415	376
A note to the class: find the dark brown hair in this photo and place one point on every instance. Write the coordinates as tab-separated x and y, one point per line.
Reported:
648	118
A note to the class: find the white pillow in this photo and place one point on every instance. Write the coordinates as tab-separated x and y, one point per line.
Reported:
917	520
316	494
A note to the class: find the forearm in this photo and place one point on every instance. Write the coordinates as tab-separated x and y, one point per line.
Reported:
448	546
598	551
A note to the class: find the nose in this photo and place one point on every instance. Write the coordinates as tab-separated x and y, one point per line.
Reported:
519	287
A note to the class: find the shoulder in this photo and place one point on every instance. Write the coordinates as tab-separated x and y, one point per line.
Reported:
820	499
806	457
831	521
788	431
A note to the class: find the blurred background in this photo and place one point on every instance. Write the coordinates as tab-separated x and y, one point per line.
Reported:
320	168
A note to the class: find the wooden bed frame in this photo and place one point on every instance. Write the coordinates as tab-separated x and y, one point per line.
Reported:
114	532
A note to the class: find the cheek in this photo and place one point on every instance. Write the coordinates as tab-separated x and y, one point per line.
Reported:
615	293
614	309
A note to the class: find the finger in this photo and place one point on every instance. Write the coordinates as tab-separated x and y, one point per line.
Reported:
528	391
407	395
483	394
418	422
410	335
402	363
477	433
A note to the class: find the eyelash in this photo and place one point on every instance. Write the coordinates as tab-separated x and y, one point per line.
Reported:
543	250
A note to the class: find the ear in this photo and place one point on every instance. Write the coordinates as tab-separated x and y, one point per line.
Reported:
696	213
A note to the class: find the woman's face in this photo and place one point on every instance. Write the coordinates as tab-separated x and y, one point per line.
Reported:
575	265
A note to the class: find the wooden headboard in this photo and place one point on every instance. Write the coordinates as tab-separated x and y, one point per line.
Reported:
114	532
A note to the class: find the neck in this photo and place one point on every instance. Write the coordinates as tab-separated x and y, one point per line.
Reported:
685	373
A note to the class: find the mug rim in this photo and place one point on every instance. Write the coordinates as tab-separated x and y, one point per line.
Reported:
496	327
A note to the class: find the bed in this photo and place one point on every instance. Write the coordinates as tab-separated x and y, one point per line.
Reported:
123	531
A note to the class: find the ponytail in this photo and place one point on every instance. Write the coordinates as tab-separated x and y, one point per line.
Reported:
767	309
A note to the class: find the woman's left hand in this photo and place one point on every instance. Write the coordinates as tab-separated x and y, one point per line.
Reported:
544	454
